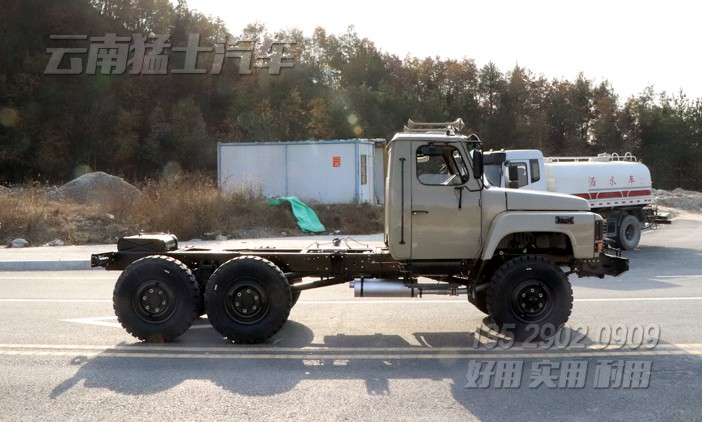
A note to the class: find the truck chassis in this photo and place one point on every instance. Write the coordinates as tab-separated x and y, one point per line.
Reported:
247	294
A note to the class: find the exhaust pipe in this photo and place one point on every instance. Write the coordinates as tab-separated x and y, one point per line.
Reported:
378	287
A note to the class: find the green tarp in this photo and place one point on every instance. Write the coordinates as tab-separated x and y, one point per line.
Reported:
306	218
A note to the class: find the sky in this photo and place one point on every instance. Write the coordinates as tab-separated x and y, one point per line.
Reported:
630	44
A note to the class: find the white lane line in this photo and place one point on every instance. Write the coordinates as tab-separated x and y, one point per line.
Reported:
56	300
112	322
419	300
378	302
637	299
359	354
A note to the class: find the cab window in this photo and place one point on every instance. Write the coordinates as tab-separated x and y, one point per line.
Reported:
520	169
440	165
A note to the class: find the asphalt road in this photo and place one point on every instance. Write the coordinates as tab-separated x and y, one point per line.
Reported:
64	357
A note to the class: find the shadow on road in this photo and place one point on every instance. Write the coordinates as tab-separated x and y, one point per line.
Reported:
449	358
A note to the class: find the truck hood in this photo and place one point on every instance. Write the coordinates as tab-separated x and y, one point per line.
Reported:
524	200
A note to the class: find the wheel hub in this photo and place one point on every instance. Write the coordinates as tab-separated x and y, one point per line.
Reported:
246	303
154	300
531	299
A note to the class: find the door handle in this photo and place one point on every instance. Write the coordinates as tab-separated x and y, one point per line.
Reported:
415	212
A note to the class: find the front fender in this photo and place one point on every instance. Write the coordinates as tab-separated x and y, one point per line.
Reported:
578	226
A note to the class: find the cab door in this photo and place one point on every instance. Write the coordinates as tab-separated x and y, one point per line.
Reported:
445	211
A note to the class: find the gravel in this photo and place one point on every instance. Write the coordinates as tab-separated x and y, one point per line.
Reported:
97	187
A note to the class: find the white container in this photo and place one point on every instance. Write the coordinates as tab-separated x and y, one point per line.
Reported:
338	171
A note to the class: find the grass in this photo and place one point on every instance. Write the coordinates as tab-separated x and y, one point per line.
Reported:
189	207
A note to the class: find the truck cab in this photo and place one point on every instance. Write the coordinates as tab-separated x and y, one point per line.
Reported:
440	205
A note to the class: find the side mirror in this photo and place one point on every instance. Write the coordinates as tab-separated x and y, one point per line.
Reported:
477	164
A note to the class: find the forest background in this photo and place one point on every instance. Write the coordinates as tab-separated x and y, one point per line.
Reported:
54	128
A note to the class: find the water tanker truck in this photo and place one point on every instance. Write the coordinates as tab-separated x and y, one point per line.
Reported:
447	232
618	187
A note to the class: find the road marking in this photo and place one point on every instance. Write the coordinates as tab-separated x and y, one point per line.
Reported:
49	277
376	302
113	323
420	300
635	299
333	353
56	300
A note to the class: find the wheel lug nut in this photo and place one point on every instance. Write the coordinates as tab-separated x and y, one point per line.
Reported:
148	307
523	294
143	298
255	297
523	305
236	303
248	291
541	305
163	302
151	290
541	295
156	310
238	294
532	290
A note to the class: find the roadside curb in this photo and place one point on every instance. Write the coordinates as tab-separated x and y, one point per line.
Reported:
76	265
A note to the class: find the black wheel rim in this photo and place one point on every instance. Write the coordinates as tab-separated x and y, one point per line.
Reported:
246	302
531	300
154	301
629	232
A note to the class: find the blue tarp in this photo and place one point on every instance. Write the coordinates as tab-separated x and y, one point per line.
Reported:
307	220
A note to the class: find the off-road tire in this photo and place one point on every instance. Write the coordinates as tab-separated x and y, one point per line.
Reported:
248	299
527	294
156	299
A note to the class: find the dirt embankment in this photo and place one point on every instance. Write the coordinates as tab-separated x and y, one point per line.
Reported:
100	208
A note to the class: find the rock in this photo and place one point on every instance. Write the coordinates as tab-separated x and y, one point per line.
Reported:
210	235
20	243
97	187
221	238
55	242
284	234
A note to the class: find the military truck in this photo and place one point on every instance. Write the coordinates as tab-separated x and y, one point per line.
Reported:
447	231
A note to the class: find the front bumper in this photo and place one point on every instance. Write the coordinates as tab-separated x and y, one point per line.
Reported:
610	262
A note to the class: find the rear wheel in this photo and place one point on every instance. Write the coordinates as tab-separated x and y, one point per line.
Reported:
629	233
248	299
529	298
156	298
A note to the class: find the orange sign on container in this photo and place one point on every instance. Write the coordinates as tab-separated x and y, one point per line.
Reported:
336	161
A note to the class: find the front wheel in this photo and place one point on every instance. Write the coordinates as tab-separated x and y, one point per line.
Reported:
527	294
248	299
